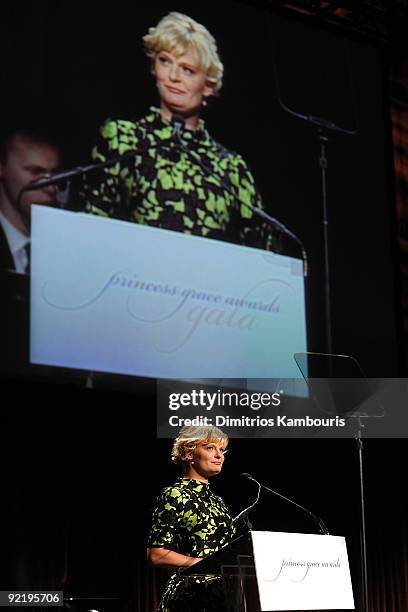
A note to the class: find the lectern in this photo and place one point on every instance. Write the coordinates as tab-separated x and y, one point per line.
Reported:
235	566
265	571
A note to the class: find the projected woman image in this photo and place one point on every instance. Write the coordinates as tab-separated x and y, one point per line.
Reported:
190	522
180	178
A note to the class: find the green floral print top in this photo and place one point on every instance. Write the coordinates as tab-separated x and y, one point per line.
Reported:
162	185
190	519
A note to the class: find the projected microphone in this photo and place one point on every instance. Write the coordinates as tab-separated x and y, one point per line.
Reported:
54	179
60	177
179	123
80	171
84	170
319	522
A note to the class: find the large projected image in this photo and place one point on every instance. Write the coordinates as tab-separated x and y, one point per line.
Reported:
196	232
206	171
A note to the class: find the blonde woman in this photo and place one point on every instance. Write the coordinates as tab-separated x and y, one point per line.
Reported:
164	186
190	522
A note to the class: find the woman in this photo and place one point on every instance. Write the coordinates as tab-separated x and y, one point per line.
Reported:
164	185
190	521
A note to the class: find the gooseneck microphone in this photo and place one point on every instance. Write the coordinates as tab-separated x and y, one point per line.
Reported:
178	122
65	175
244	513
319	521
60	177
47	181
77	171
83	171
56	178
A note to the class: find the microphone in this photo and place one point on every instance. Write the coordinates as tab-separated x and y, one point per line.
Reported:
319	521
54	179
178	122
82	170
244	513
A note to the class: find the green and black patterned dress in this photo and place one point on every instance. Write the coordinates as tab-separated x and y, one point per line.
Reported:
190	519
165	187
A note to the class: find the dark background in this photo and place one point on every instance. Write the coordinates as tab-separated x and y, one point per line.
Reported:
81	481
82	466
84	67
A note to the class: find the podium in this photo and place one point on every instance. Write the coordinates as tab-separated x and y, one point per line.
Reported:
264	571
123	298
235	566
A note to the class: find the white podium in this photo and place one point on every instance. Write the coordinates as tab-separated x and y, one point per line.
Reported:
302	571
294	571
114	296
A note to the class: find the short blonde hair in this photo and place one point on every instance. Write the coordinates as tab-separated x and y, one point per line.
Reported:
175	33
189	437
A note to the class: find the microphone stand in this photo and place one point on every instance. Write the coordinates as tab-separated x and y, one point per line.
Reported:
319	521
359	442
364	564
323	128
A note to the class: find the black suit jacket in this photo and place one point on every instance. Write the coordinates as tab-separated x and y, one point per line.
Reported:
6	258
14	312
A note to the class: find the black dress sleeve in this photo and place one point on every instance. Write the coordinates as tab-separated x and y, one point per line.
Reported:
107	192
254	231
167	516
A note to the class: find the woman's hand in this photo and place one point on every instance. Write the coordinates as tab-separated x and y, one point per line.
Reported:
169	559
